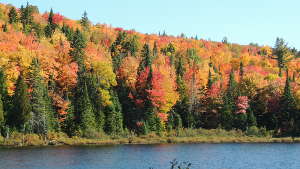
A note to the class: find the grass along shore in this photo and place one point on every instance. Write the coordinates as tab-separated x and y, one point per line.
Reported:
172	137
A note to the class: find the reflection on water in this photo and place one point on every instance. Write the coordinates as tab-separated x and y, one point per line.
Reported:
202	156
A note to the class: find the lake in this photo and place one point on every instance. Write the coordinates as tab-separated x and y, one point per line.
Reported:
202	156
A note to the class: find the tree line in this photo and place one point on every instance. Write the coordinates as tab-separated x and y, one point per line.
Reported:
157	101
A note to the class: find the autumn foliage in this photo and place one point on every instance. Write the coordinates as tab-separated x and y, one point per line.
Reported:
184	77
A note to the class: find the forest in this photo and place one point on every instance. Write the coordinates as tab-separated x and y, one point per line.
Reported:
82	79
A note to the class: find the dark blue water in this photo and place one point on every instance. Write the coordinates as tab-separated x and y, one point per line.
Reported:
202	156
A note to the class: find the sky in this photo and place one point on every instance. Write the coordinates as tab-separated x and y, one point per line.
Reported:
241	21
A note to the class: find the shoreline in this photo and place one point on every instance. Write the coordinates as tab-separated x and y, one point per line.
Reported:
145	141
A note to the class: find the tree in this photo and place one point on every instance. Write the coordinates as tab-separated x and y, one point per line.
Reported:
12	15
114	118
169	51
242	105
182	104
85	23
226	118
4	28
68	32
241	73
225	40
118	50
282	54
95	97
288	110
2	120
41	104
21	111
147	59
5	98
251	119
51	26
78	43
26	17
194	60
85	111
210	80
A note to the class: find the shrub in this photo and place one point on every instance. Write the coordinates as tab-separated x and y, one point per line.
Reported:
258	132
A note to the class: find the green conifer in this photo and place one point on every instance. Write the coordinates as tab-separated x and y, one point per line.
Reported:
21	111
12	15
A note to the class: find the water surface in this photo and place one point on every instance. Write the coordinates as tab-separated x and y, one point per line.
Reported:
202	156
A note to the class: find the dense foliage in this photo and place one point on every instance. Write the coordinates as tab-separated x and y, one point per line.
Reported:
58	74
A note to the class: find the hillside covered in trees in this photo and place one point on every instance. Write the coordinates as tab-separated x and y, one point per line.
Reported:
70	76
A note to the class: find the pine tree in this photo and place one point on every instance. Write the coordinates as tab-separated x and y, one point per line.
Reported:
78	43
93	86
155	50
118	51
6	99
4	28
147	59
174	120
21	111
52	116
50	28
12	15
251	119
240	121
152	121
2	120
85	110
68	32
26	17
182	104
227	118
210	80
288	109
282	53
68	125
43	113
85	23
241	73
114	118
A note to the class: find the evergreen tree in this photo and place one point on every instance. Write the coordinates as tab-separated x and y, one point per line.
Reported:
26	17
131	45
68	32
114	118
93	90
182	104
12	15
85	110
118	51
241	73
147	59
78	43
43	113
68	125
282	54
251	119
4	28
2	120
21	111
174	120
227	118
210	80
288	110
240	121
155	50
85	23
6	99
50	28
